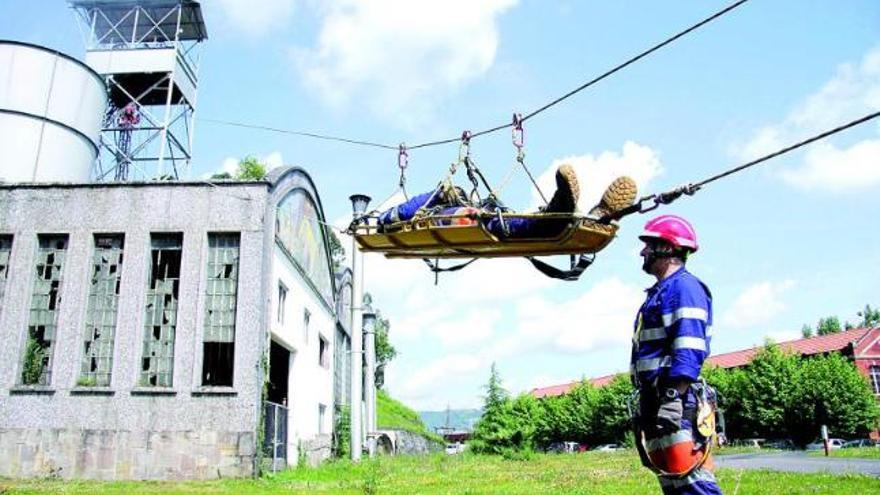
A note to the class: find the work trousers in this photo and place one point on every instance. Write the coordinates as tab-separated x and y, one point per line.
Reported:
700	481
506	228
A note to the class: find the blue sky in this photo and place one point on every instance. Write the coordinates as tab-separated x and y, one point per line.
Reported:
781	245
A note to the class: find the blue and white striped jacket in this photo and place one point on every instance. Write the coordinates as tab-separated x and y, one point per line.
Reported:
671	338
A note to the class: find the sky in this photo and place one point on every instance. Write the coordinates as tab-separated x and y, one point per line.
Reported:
781	245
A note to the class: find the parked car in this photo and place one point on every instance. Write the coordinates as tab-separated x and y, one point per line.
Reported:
833	443
862	442
454	448
563	447
756	443
608	447
784	444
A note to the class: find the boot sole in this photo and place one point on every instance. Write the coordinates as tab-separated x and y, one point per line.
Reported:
619	195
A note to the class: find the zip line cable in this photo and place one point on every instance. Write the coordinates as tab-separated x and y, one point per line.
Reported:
793	147
596	79
301	133
690	189
562	98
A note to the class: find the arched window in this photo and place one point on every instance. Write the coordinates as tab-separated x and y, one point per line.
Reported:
301	234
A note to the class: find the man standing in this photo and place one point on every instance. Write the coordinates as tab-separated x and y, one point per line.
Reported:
670	343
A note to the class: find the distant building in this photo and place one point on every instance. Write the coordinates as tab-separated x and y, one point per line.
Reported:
862	346
152	329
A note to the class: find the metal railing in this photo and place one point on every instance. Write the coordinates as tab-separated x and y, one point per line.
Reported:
275	440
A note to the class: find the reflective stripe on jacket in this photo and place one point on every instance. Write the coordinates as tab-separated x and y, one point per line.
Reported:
671	338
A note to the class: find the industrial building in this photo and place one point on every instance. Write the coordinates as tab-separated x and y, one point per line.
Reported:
139	318
155	327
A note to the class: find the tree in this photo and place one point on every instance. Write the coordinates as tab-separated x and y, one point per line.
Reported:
249	168
870	317
385	352
611	418
221	176
759	394
828	326
806	331
337	252
831	391
500	429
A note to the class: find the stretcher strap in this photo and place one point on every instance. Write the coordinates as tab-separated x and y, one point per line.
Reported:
578	265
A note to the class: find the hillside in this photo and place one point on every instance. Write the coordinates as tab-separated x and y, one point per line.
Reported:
459	419
392	414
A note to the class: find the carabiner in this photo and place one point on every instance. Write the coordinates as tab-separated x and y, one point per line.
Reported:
402	157
519	135
464	150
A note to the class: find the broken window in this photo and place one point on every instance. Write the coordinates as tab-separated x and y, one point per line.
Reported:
220	301
43	320
323	352
103	305
160	322
5	251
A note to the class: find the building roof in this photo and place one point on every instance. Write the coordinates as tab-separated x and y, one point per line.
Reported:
554	390
805	347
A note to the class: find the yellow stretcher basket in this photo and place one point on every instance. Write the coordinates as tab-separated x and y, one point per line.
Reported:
465	236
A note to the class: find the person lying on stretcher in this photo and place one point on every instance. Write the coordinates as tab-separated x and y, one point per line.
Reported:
451	201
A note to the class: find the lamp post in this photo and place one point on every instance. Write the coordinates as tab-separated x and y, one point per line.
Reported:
370	379
359	204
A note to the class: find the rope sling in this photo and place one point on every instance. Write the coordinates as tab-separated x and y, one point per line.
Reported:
433	236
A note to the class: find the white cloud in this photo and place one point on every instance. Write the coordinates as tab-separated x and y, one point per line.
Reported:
599	318
852	92
474	328
758	304
783	336
398	57
255	17
230	163
838	170
419	386
595	173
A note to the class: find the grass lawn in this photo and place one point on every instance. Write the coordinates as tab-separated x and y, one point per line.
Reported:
853	453
599	473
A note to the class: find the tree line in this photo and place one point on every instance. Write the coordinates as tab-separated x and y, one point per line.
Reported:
869	318
777	395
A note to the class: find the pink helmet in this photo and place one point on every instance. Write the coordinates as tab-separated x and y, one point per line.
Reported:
675	230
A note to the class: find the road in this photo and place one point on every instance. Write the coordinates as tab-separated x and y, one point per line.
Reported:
799	462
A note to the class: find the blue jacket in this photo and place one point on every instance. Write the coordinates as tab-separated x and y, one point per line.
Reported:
671	338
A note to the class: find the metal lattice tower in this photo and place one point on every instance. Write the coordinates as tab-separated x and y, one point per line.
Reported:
148	52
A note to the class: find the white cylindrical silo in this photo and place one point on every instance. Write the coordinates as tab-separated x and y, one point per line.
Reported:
51	109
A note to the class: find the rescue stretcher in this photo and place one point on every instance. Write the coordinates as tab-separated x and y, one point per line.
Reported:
466	236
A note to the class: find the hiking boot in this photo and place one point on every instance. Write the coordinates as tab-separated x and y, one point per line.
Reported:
620	194
565	198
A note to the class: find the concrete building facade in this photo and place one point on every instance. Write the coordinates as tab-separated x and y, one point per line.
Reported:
142	323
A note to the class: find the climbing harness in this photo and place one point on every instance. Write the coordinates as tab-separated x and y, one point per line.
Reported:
680	453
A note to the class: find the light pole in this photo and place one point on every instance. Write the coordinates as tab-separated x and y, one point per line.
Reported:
370	379
359	204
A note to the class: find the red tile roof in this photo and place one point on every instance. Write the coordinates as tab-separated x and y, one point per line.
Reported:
554	390
804	347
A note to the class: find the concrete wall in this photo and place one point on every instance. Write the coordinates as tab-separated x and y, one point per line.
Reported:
125	431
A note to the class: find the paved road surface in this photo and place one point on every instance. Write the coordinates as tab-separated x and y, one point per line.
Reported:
798	462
